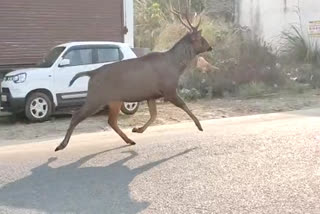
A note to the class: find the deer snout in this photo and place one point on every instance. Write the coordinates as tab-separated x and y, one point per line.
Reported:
209	49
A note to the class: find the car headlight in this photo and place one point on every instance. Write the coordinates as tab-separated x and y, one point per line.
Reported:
19	78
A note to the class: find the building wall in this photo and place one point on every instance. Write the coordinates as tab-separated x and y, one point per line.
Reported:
268	18
29	28
129	22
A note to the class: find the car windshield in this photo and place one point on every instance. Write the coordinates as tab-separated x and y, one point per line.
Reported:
51	57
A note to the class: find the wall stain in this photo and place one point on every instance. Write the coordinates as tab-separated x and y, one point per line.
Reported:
285	6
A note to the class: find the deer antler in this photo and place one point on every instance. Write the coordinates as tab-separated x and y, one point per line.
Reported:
178	14
196	28
188	25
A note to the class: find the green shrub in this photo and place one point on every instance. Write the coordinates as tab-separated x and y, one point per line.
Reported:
296	88
300	48
300	56
195	80
315	77
254	90
192	94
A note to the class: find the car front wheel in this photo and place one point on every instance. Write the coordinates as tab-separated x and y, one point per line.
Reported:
38	107
130	108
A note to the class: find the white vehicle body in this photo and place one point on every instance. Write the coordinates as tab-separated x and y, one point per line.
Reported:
53	75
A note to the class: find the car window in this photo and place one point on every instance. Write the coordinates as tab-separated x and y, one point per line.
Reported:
79	57
109	54
51	57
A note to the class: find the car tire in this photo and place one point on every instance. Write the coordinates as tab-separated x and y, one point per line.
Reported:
38	107
129	108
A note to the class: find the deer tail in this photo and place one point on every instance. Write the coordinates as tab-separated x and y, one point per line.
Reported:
81	74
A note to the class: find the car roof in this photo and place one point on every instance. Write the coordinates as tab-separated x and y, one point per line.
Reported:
72	44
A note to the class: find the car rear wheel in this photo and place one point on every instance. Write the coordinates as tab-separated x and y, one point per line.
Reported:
38	107
130	108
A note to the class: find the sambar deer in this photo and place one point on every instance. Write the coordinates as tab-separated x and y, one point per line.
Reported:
147	78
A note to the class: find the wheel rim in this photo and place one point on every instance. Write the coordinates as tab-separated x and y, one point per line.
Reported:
130	106
39	108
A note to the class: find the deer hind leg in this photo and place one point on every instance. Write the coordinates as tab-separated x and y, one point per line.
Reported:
114	109
84	112
177	101
153	115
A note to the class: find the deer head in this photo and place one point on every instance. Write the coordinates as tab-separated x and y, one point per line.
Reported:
198	43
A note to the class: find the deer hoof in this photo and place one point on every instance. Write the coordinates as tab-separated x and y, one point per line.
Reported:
200	128
137	130
60	147
131	143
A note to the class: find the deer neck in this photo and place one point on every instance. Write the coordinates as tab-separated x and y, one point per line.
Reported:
181	54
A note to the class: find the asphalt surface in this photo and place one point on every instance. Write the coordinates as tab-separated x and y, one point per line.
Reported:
256	164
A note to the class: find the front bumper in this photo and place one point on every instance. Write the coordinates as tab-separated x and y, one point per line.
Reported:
10	104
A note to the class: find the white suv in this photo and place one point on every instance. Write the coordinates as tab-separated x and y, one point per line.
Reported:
39	92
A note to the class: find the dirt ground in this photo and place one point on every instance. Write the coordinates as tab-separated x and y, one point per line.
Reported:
14	131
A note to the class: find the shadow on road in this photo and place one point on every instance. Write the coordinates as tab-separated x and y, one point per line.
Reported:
72	189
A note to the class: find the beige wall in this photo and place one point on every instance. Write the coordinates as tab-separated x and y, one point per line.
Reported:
268	18
129	21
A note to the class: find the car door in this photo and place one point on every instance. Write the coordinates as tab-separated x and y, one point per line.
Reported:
107	54
80	60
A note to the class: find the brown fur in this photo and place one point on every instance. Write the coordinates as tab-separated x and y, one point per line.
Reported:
150	77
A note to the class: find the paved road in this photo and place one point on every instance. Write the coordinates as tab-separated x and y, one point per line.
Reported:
257	164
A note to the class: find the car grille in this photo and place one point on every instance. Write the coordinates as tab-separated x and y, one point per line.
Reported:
5	104
5	90
8	78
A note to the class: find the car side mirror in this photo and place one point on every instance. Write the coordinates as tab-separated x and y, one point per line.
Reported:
64	62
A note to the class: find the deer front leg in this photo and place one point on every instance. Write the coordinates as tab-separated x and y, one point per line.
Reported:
177	101
85	111
153	115
114	109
